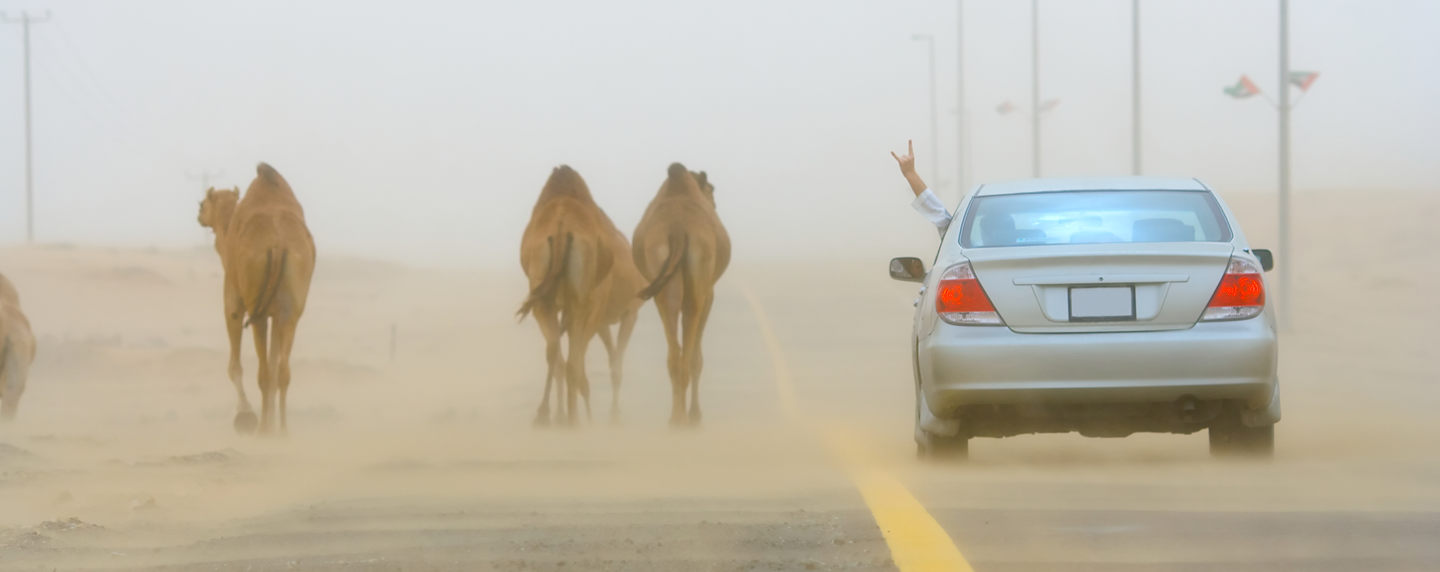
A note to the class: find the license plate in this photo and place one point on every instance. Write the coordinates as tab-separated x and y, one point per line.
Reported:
1102	304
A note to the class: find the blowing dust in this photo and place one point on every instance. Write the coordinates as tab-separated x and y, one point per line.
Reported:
415	390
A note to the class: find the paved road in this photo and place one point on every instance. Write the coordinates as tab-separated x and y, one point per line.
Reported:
448	475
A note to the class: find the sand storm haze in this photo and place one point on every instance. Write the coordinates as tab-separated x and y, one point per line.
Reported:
418	137
429	461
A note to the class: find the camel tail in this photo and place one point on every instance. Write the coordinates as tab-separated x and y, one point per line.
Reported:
550	284
274	271
679	243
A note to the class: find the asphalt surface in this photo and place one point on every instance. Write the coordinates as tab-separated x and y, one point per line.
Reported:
455	478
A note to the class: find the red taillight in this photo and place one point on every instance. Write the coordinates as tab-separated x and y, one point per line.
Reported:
962	296
960	300
1241	293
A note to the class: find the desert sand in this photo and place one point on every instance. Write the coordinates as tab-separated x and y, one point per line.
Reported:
424	458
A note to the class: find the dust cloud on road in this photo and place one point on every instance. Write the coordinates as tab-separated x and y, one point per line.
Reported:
123	456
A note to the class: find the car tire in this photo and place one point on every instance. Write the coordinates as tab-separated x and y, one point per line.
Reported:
1229	438
943	449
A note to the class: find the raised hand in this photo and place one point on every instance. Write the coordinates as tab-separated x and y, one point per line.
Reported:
907	168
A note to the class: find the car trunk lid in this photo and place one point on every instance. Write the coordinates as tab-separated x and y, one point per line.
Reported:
1117	287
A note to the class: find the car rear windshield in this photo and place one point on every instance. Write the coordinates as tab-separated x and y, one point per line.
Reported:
1080	217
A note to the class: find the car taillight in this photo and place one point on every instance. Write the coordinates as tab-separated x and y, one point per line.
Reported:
1241	293
960	300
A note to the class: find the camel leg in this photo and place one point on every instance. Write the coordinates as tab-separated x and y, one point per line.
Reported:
14	372
617	360
555	363
280	343
577	382
260	328
234	326
610	348
667	302
694	331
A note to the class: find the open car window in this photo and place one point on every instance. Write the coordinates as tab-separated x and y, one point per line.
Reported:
1081	217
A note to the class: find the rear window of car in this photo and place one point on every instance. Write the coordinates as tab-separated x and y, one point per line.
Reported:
1093	217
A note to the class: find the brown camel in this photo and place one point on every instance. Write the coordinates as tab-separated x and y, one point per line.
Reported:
269	257
581	282
17	350
681	235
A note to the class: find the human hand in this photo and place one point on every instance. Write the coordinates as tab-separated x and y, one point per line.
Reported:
907	168
907	162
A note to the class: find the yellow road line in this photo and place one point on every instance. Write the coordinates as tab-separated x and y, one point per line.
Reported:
917	542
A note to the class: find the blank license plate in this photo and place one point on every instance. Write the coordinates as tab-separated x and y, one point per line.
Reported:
1109	304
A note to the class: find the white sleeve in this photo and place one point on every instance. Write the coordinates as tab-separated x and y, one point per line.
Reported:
930	207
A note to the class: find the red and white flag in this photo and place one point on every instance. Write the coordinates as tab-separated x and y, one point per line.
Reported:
1243	88
1303	79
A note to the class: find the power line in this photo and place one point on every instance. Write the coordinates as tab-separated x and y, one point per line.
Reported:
96	96
24	21
106	128
118	112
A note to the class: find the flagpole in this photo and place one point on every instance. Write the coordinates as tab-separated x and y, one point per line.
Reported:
1288	255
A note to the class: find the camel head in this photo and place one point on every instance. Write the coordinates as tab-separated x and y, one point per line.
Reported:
216	209
706	188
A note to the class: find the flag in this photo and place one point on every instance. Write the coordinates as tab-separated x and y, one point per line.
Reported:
1004	108
1243	88
1303	79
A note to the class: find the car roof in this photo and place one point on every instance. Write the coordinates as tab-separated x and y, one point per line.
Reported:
1092	184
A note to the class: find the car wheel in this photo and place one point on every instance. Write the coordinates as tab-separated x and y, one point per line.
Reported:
942	448
1231	438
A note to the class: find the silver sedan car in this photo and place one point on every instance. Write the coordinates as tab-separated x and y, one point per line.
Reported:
1106	306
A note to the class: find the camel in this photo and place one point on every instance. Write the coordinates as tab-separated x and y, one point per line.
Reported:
269	258
17	350
581	283
681	235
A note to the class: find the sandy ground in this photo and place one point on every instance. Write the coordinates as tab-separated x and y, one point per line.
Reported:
123	456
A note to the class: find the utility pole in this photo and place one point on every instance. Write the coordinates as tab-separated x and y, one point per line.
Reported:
934	119
204	177
1135	86
961	146
25	20
1289	256
1035	86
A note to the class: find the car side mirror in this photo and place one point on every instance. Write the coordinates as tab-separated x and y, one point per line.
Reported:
1267	260
907	269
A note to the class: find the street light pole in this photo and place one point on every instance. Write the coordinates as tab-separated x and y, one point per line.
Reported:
962	146
25	20
1035	87
1135	86
934	120
1289	256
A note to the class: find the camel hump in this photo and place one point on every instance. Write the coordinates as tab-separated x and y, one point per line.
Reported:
565	182
677	171
265	171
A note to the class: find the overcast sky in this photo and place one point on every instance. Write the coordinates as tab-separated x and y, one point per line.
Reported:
423	131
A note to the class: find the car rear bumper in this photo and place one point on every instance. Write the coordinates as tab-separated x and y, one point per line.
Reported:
1214	361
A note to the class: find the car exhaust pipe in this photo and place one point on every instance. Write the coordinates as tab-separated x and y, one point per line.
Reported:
1186	408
